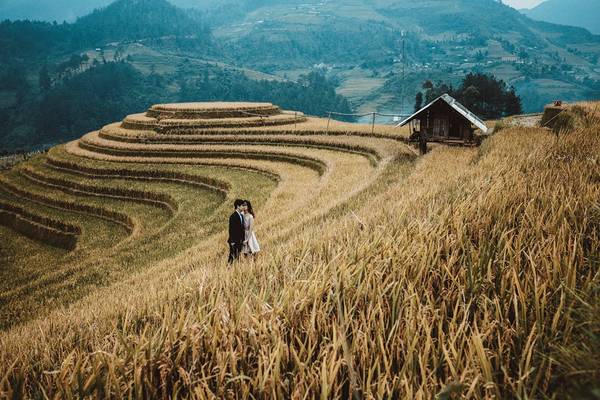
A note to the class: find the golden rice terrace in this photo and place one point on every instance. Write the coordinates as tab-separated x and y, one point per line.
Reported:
468	273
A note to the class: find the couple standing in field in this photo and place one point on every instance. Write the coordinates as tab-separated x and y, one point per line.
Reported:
242	239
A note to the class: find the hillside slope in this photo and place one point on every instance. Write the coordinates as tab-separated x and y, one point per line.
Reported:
470	271
125	20
361	44
356	44
582	13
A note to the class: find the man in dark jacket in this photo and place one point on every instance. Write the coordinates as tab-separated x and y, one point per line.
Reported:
236	231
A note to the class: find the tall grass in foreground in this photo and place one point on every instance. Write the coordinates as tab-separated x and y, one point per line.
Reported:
475	277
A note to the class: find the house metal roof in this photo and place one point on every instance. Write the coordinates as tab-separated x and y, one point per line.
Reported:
462	110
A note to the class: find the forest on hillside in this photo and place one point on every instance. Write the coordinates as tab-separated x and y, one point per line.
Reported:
65	103
483	94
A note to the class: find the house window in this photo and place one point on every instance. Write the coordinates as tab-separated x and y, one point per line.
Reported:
440	127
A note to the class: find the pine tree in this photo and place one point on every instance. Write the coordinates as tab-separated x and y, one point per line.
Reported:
512	103
44	79
418	101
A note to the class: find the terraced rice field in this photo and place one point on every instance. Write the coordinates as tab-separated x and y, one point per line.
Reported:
147	188
467	273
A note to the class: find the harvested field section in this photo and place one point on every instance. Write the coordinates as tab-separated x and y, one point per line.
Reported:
184	144
74	150
281	119
93	143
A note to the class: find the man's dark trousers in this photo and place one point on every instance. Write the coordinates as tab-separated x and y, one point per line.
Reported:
234	252
237	235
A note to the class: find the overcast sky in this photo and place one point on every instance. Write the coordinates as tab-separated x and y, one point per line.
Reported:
523	3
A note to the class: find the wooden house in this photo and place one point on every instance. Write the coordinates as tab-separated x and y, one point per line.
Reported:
445	120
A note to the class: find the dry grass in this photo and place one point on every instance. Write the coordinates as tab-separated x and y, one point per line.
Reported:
472	273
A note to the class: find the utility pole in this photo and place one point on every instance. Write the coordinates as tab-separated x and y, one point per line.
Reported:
403	74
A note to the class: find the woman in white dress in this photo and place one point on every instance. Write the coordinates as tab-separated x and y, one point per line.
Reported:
251	246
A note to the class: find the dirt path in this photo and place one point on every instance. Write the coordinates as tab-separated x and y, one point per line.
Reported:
526	121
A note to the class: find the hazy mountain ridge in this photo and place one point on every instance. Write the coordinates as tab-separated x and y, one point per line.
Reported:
63	10
138	19
122	21
582	13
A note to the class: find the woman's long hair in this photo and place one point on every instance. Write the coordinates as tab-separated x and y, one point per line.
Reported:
250	209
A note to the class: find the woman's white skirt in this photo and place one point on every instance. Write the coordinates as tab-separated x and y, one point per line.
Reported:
252	246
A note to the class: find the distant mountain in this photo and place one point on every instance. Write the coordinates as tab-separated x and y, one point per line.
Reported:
582	13
139	19
48	10
122	21
66	10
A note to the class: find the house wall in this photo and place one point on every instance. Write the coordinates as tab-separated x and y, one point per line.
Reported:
442	121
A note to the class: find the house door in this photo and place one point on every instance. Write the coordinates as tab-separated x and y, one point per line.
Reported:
454	130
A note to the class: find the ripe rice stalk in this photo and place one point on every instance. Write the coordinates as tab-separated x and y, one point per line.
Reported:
453	289
116	217
191	153
370	152
318	126
170	125
210	110
52	232
150	175
160	200
74	149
